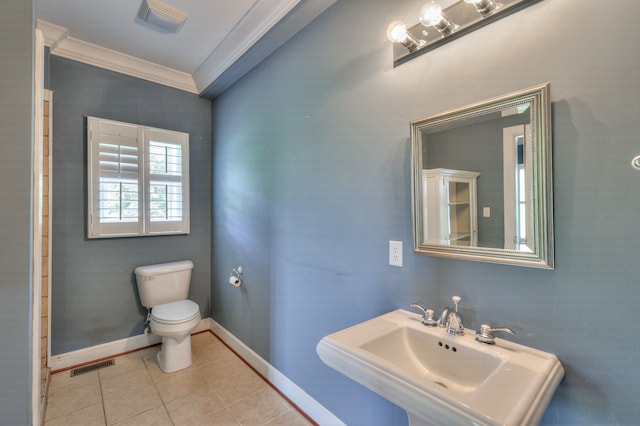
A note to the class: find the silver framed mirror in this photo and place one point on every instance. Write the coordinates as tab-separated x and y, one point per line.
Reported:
482	181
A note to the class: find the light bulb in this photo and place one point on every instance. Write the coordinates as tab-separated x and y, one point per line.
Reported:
484	7
431	14
397	32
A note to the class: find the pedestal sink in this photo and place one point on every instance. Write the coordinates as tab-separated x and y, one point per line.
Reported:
443	379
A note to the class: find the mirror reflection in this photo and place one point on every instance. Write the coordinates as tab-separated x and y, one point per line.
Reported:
480	167
478	172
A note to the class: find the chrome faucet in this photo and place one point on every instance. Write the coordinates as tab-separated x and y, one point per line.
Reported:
485	335
427	315
451	319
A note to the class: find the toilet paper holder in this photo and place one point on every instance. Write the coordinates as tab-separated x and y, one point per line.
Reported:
235	279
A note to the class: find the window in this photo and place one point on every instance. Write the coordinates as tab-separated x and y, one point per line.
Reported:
517	189
521	199
138	180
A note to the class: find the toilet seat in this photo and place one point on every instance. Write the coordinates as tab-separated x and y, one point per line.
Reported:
175	312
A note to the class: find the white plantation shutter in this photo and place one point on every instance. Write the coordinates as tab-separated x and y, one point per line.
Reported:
138	180
167	196
114	179
118	189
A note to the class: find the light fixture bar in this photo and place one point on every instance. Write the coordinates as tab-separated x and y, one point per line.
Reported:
457	20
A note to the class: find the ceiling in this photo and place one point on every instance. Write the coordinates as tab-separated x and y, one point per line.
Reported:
204	57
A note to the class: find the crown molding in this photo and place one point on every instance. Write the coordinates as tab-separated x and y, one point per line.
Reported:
263	29
263	16
102	57
302	15
53	34
71	48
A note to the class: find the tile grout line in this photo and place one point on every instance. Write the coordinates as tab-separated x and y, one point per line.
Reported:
155	386
104	409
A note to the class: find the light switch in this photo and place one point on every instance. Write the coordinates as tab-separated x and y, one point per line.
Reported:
486	212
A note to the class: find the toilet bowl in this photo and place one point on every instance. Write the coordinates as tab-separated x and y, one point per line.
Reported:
174	322
163	289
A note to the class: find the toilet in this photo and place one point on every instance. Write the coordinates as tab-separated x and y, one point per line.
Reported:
163	289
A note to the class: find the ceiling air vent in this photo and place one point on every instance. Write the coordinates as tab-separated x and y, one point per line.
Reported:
160	16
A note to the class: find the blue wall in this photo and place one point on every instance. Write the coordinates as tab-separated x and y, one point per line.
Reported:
312	179
16	164
94	294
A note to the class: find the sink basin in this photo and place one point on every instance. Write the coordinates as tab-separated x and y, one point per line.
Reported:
443	379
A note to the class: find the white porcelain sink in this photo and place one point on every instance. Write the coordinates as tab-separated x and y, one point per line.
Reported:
442	379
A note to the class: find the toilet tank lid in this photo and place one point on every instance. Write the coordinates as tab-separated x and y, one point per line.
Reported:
164	268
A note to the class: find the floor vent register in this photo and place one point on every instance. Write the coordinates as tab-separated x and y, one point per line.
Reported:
92	367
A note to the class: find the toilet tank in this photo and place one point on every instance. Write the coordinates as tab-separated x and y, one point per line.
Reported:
164	282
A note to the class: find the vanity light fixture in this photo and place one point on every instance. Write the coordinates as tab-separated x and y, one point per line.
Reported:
397	33
452	19
484	7
431	15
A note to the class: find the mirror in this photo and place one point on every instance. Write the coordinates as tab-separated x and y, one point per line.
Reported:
482	185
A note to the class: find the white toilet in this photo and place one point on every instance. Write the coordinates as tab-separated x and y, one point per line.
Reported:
163	289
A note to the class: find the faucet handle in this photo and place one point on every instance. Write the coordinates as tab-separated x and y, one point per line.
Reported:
485	335
427	314
456	300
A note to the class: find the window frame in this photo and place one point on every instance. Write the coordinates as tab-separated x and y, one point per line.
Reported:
127	134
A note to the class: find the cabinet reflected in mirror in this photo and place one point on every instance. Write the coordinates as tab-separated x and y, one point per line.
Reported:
482	181
450	206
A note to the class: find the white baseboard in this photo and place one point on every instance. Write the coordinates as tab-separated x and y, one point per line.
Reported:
288	388
106	350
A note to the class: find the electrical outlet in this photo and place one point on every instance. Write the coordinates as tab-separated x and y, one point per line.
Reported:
395	253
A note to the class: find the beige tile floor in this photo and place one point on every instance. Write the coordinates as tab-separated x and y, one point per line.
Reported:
218	389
